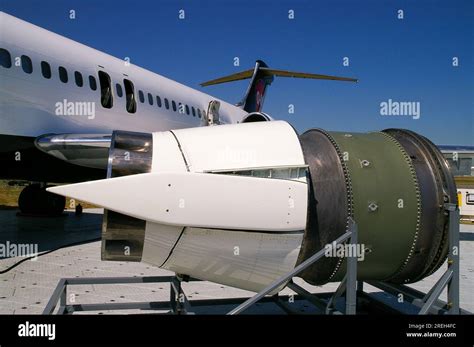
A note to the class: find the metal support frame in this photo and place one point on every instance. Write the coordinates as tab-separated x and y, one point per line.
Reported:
178	303
453	258
60	295
450	278
428	303
349	286
178	299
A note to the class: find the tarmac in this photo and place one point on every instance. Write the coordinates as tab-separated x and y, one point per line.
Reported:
27	287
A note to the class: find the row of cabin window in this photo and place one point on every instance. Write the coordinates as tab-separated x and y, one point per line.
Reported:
27	66
181	108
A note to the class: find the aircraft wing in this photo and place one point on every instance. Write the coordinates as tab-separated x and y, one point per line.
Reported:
89	150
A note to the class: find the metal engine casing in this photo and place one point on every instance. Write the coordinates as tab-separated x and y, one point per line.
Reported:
392	183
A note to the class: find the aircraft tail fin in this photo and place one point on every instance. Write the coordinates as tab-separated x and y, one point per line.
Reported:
261	77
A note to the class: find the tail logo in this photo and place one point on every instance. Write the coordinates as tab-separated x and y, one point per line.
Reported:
259	90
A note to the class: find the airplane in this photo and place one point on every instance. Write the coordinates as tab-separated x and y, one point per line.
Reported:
183	191
60	101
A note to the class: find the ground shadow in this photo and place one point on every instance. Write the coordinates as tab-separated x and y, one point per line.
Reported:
49	232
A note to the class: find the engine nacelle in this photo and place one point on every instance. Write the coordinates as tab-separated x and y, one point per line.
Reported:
244	204
256	117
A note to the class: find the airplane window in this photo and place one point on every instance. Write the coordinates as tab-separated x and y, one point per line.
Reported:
158	101
193	111
180	108
130	96
150	99
119	90
26	64
174	105
141	96
46	70
106	97
167	104
92	83
5	58
187	109
78	78
62	74
199	112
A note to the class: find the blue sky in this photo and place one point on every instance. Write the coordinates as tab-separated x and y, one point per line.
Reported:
402	60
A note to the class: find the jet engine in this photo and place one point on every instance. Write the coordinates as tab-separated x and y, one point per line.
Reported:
244	204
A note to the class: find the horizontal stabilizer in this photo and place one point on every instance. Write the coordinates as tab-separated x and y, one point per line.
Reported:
243	75
261	76
284	73
281	73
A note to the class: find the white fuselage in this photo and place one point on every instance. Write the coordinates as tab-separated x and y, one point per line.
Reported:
29	101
